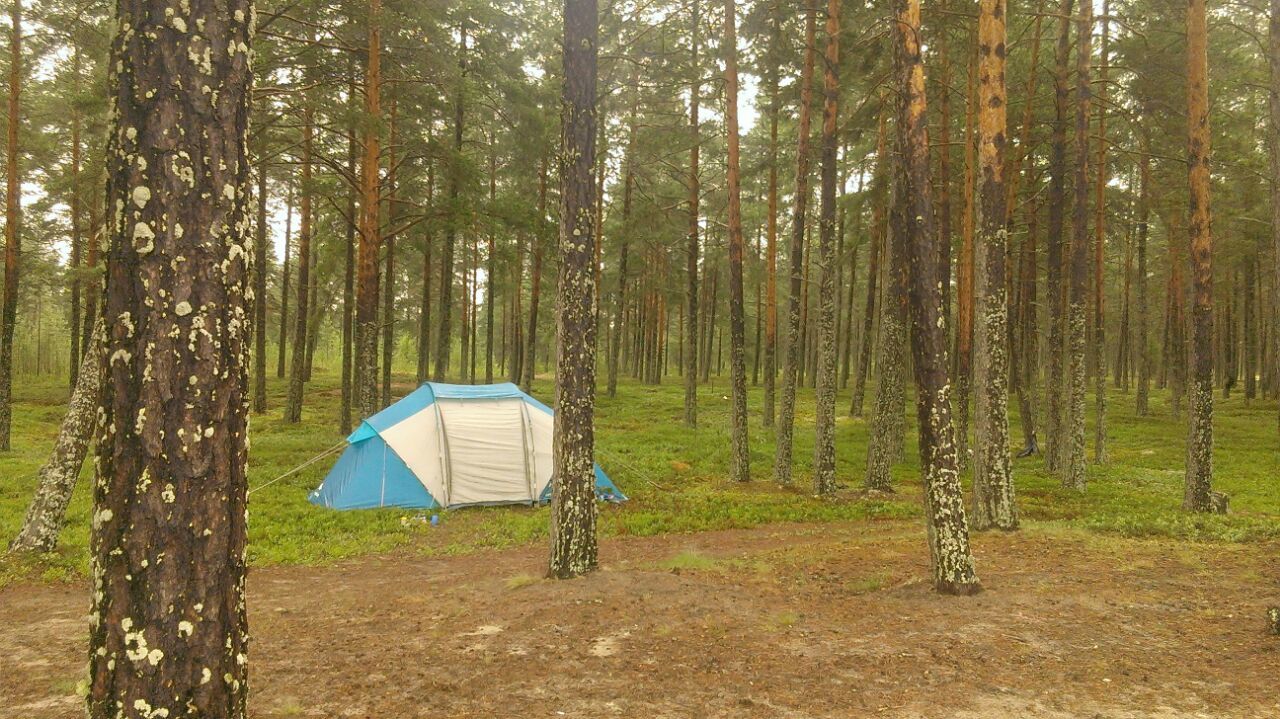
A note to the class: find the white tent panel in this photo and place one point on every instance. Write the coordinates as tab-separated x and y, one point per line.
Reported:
543	426
417	441
485	451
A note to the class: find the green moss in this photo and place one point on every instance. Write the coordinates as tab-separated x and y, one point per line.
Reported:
677	478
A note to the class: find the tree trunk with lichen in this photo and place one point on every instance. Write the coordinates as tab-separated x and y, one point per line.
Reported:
535	284
884	445
824	451
77	240
965	294
691	253
1143	391
261	239
624	237
740	460
168	631
349	269
366	329
47	512
1273	104
993	495
448	254
771	243
879	234
1055	231
573	505
951	559
791	363
1199	495
297	370
12	218
1099	340
1024	346
388	290
1072	465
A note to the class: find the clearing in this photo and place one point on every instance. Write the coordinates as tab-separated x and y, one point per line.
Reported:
785	620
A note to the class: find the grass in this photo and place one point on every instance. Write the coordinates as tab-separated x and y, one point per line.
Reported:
676	480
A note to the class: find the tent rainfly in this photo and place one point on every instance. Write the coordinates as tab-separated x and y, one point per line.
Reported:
447	446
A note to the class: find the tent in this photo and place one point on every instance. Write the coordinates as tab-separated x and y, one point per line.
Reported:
445	446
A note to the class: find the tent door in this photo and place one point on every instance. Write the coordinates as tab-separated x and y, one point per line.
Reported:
486	447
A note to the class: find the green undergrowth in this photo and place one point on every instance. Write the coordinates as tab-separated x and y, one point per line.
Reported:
676	479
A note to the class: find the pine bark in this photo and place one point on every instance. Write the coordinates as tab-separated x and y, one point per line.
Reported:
965	294
573	505
12	218
285	284
879	235
1054	384
1199	495
1143	391
448	259
824	452
620	301
260	294
790	366
951	559
297	371
424	310
1072	466
1273	104
740	459
768	409
388	290
366	330
993	493
1099	342
56	480
535	284
349	273
691	254
77	241
168	630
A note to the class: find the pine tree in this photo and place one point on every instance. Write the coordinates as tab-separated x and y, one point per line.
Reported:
1199	496
12	220
573	505
824	453
740	465
791	363
1072	465
168	631
951	559
992	481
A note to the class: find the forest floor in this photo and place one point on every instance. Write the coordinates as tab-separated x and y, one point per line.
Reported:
717	598
792	620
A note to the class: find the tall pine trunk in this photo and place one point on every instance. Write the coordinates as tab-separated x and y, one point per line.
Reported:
12	218
1054	384
1099	341
879	235
1273	105
1199	495
366	331
691	255
1072	465
297	371
992	481
535	283
771	242
620	301
349	271
448	259
740	460
573	505
791	363
1143	392
824	451
951	559
47	512
168	630
260	293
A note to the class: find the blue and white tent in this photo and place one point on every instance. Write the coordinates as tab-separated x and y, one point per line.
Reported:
446	446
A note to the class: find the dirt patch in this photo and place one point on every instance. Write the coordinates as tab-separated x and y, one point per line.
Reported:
782	621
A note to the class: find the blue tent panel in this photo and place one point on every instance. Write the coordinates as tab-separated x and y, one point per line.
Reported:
370	474
605	489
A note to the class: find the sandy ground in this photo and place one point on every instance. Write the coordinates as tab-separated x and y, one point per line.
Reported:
783	621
